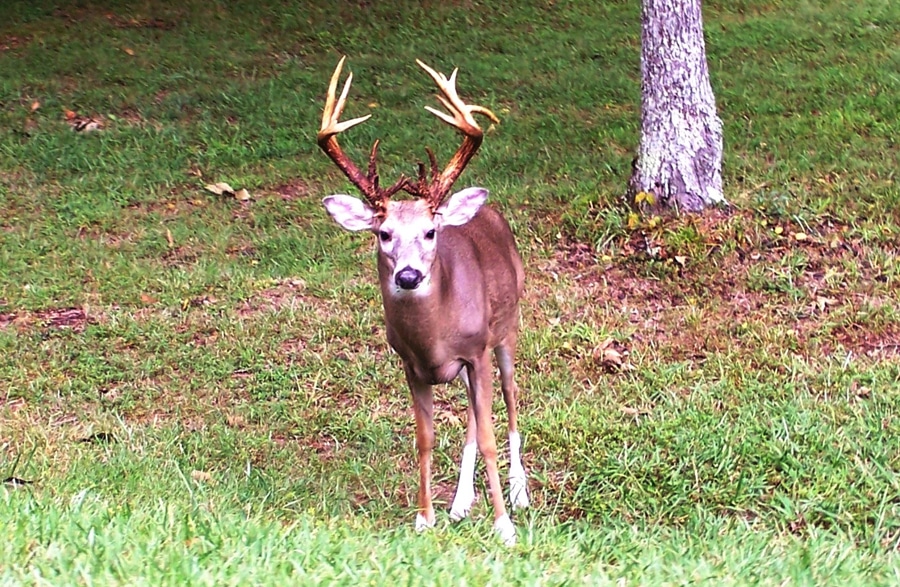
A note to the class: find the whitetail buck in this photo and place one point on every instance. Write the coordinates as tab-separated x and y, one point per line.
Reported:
451	279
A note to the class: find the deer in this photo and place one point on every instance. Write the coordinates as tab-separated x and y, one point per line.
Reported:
451	279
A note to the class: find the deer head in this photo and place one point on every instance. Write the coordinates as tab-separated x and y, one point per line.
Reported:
407	231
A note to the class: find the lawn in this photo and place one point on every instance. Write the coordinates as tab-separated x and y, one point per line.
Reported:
196	388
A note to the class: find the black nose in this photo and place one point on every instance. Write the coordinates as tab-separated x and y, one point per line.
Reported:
408	278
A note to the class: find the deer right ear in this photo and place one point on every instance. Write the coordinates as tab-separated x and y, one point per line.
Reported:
351	213
461	206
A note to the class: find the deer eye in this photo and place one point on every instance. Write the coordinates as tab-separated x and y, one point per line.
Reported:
384	235
430	234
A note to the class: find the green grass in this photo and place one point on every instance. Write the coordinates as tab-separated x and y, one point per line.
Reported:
200	392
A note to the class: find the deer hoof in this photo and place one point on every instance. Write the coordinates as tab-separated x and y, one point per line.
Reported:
422	523
518	490
504	528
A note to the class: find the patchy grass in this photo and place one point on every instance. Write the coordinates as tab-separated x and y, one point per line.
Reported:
198	390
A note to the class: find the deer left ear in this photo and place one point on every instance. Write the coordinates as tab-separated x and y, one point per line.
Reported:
351	213
461	207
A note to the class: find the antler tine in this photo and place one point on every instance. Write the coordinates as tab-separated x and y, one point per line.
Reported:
334	108
460	117
434	163
373	165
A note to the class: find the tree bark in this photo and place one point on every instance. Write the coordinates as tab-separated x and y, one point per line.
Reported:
680	154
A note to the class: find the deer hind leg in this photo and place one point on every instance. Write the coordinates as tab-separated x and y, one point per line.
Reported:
480	398
423	407
518	482
465	489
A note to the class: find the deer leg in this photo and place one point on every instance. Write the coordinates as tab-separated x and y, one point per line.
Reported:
518	482
465	489
423	407
480	398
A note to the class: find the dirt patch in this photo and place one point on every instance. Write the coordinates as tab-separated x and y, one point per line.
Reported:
289	293
294	190
75	319
13	42
122	22
729	281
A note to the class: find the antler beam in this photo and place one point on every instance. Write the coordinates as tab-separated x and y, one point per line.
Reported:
460	117
327	139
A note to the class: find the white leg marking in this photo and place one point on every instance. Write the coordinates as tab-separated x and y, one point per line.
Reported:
422	524
504	528
518	482
465	490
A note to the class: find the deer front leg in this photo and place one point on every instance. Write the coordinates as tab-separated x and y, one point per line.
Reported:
480	398
423	407
465	489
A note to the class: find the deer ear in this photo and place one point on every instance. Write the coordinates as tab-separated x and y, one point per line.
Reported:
461	206
351	213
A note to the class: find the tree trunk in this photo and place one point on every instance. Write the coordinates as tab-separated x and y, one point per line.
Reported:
680	155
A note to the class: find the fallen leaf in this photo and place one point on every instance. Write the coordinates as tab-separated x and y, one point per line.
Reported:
611	355
70	114
129	51
169	238
242	195
822	302
447	417
85	124
35	105
779	230
147	299
219	188
800	236
681	260
201	476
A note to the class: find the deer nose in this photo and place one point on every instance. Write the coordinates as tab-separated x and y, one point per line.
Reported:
408	278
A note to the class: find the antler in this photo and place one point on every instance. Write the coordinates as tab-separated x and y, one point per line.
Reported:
327	139
461	118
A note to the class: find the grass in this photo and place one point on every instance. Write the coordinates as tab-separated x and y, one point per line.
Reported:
199	391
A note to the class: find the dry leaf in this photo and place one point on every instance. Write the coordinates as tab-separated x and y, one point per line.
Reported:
70	114
447	417
822	302
612	355
35	105
129	51
220	188
242	195
800	236
169	238
86	125
201	476
681	260
147	299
